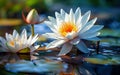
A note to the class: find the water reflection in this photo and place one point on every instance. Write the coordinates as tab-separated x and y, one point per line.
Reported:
36	64
28	63
107	62
8	58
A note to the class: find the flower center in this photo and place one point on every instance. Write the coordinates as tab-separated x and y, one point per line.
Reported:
11	43
67	27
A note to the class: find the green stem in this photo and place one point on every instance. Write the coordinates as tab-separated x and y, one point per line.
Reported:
77	70
32	29
97	47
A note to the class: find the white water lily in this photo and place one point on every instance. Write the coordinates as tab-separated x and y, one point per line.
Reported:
16	42
69	28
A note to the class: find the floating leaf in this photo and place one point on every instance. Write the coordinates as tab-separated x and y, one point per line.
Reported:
103	59
35	66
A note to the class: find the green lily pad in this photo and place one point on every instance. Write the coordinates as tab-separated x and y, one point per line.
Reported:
103	59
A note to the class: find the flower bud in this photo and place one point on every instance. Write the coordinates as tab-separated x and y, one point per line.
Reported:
33	17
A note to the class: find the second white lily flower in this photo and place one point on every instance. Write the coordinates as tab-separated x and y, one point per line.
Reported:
15	42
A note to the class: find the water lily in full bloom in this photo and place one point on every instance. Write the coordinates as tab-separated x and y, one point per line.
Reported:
70	28
18	42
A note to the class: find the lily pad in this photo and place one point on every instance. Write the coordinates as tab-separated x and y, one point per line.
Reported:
103	59
35	66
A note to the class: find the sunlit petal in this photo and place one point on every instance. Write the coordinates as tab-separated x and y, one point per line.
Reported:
34	39
58	16
85	18
63	14
72	16
88	25
95	28
51	26
90	35
3	42
29	39
55	43
66	48
75	41
71	35
15	33
52	19
32	48
77	14
52	35
66	17
82	47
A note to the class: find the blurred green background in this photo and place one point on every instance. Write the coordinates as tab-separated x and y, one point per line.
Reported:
107	11
13	8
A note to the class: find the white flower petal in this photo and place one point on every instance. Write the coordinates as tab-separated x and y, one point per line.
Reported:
92	32
17	46
3	42
82	47
24	37
10	38
94	29
63	14
90	35
7	36
59	19
52	19
58	16
67	18
52	35
78	19
51	26
75	41
24	33
72	16
85	18
15	33
66	48
55	43
71	35
88	26
32	48
29	40
77	14
34	39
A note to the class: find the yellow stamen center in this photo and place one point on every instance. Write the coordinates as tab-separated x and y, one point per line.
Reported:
67	27
11	43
